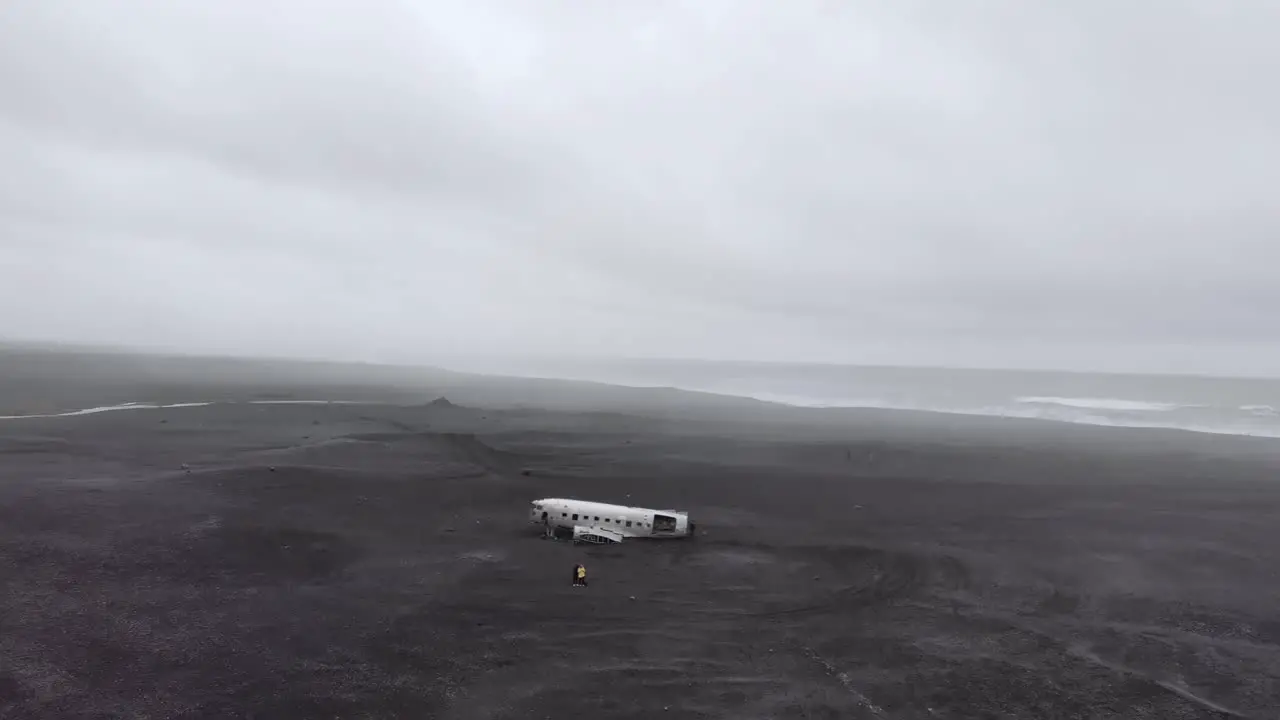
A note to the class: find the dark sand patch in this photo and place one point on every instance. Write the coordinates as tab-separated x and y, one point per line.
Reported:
322	561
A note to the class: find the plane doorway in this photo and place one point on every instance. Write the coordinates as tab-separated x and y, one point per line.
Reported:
664	524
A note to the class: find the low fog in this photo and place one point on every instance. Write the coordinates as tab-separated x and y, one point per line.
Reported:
1084	184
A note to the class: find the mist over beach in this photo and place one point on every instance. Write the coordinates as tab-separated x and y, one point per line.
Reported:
1227	405
952	327
289	539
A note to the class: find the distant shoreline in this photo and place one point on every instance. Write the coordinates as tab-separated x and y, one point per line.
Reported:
45	382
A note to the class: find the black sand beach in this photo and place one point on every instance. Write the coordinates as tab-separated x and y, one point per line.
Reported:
373	560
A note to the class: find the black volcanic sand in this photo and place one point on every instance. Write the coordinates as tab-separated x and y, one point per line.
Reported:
363	561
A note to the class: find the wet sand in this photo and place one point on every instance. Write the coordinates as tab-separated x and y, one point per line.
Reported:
373	560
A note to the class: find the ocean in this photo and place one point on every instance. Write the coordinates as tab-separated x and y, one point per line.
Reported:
1226	405
1236	406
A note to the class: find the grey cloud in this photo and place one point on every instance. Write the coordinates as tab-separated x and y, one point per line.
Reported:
666	178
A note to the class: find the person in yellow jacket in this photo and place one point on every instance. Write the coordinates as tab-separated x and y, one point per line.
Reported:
579	575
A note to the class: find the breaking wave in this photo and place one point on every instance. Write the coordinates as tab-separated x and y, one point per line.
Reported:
1257	419
155	406
104	408
1103	404
1247	420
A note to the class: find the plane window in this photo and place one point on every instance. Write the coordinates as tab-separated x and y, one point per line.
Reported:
575	516
628	523
597	517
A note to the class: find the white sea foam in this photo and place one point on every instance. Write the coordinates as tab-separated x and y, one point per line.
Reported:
1103	403
151	406
802	401
1080	411
1089	411
1191	404
307	402
96	410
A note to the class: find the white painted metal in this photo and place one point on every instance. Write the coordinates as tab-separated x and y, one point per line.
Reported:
624	520
595	535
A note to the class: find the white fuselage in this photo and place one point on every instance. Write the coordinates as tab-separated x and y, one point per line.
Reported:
622	519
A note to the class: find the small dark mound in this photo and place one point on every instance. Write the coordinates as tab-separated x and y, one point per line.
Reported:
467	447
441	402
457	447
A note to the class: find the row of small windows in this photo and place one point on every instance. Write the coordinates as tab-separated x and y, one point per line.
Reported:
597	519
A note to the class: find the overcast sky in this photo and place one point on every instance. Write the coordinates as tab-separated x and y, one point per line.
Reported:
907	181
